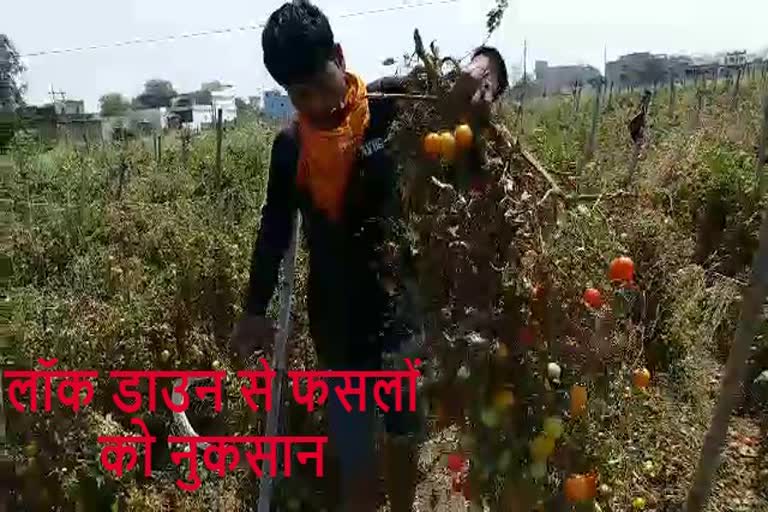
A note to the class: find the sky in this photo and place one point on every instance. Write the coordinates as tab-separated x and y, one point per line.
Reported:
559	31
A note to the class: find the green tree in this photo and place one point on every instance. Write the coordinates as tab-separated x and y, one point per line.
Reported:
157	93
11	88
113	104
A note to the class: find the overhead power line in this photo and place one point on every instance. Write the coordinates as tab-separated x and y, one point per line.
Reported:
213	32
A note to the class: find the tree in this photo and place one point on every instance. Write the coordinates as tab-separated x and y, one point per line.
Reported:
245	110
157	93
11	88
113	104
11	68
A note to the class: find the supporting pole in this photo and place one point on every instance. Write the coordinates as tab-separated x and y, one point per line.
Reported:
279	360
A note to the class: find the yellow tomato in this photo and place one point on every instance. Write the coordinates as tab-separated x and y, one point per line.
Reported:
541	448
432	145
463	136
504	399
447	146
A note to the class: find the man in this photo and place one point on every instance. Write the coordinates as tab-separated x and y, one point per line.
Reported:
332	166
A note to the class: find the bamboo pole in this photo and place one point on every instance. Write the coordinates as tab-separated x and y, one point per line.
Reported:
735	372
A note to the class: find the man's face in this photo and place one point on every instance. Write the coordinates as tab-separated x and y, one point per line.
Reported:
321	98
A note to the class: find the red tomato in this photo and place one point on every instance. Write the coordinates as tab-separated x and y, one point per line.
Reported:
526	336
593	298
622	269
456	462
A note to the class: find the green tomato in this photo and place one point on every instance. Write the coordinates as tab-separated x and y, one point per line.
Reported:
553	427
538	470
490	418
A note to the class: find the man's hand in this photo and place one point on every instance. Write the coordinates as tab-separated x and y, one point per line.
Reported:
252	334
478	86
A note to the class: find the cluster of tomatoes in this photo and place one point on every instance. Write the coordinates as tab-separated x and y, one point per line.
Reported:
578	488
622	270
446	145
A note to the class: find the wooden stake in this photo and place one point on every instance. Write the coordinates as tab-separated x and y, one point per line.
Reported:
592	141
736	87
671	95
735	372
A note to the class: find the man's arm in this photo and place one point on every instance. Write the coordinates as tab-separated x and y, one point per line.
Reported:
277	215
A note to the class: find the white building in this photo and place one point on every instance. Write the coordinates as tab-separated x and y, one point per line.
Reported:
224	100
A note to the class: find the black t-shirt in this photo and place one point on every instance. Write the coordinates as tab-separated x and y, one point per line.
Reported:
358	306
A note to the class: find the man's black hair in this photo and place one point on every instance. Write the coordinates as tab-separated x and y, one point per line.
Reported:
494	54
297	42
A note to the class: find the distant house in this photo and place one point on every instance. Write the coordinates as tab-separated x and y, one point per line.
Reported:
560	79
735	59
645	69
142	121
62	120
69	107
189	110
277	106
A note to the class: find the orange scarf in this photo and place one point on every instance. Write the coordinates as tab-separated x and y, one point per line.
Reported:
328	157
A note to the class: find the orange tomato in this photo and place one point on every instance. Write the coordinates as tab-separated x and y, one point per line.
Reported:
463	136
580	488
593	298
578	400
432	145
641	378
447	146
622	269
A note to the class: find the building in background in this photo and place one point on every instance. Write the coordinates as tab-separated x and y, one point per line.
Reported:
277	106
646	69
69	107
198	110
735	59
561	79
224	100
